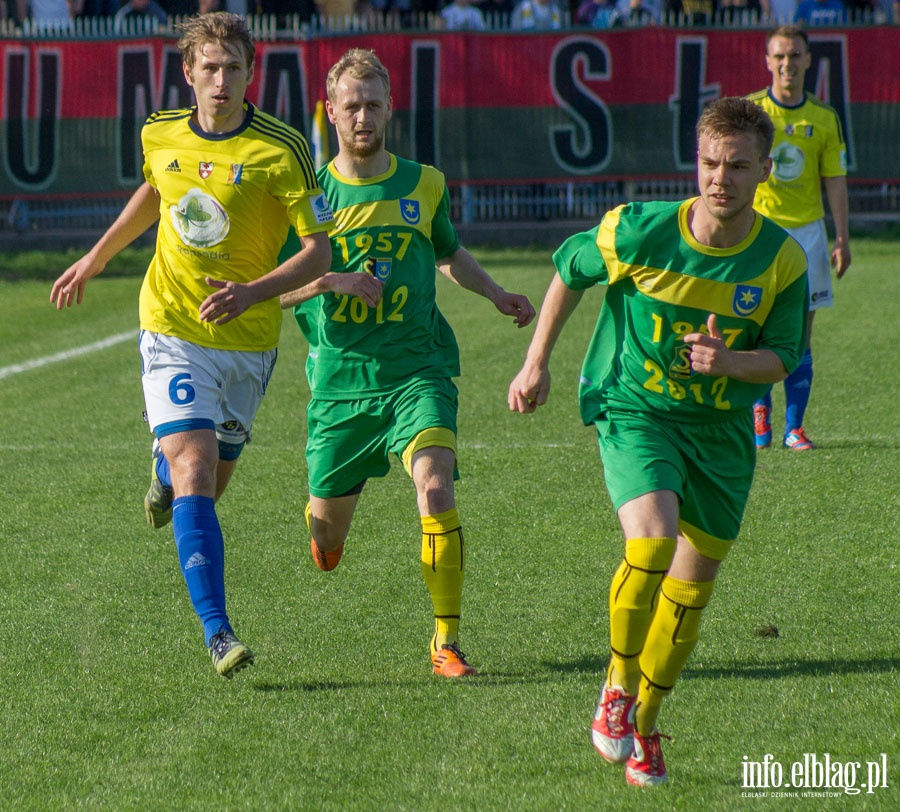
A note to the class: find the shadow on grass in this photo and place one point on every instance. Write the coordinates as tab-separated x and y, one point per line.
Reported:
837	667
591	666
484	679
789	667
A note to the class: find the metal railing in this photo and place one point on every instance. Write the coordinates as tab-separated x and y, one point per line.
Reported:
297	27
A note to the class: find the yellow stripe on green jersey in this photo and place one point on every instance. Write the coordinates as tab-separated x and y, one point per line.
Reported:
394	226
661	285
809	145
226	205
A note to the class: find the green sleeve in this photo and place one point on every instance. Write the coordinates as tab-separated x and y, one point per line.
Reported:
785	329
443	235
579	262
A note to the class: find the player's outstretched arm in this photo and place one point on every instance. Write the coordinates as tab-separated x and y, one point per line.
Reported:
463	269
141	212
531	386
359	284
229	299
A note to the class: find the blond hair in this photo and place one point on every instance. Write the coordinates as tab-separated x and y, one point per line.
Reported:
219	27
359	63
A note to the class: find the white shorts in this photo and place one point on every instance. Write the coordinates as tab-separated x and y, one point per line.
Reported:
814	241
189	387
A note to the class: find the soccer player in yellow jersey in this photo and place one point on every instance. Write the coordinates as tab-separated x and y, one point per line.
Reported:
226	183
809	152
704	307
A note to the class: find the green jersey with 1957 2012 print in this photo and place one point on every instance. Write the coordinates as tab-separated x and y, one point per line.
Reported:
663	284
393	226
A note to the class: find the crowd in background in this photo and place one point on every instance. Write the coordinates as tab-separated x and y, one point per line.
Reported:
470	15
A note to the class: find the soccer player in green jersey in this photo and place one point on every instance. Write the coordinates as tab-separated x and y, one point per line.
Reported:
226	182
705	307
382	358
808	152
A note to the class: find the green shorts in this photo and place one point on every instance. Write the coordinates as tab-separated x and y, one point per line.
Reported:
709	465
351	440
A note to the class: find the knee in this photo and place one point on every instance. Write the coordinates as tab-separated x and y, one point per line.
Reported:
435	495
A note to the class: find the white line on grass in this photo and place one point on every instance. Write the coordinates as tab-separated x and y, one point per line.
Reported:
14	369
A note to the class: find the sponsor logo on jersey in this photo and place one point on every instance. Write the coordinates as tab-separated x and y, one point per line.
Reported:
409	211
235	174
321	208
205	169
173	167
199	219
746	299
787	161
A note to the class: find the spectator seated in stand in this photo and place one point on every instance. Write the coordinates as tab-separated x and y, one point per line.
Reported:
637	13
536	15
694	12
459	15
812	13
336	14
136	11
47	13
779	12
596	13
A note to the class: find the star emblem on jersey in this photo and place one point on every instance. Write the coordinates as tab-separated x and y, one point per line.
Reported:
409	211
746	299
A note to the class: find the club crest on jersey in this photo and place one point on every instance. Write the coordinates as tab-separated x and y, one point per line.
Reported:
236	174
379	268
409	211
205	169
746	299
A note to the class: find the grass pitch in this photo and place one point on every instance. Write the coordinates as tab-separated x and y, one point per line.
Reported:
108	699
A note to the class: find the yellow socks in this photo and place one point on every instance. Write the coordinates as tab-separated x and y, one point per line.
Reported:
670	640
632	600
442	569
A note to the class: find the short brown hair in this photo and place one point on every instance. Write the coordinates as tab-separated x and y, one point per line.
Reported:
219	27
788	32
732	115
360	63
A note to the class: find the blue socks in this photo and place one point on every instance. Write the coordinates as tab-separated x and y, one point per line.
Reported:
766	400
797	387
201	553
162	470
